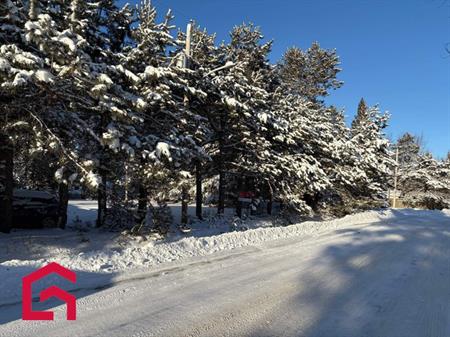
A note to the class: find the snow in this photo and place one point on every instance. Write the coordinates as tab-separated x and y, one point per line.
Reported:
21	78
377	273
263	117
231	102
4	65
93	179
26	59
105	79
162	149
59	174
43	76
68	42
141	104
130	75
151	72
140	254
82	211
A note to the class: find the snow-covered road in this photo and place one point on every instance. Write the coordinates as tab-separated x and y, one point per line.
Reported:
385	278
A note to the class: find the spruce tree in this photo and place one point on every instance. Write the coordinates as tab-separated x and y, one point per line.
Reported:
362	116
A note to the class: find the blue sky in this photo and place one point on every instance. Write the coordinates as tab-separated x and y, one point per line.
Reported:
392	51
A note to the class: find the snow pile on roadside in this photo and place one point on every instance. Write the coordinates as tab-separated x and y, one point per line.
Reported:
153	253
150	253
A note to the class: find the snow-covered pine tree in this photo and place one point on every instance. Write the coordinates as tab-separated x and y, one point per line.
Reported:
320	131
423	181
311	73
362	115
297	175
204	61
9	34
113	117
6	182
170	128
409	149
241	106
428	184
97	106
373	156
30	58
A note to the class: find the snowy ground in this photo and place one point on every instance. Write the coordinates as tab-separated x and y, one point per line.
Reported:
381	273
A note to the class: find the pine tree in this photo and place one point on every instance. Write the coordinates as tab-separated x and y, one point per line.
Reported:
423	181
372	155
112	100
408	151
428	185
311	73
170	128
362	116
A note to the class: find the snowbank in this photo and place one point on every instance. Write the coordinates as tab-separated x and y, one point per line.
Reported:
102	257
119	256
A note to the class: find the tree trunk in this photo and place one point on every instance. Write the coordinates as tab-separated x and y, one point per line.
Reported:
238	203
63	191
101	200
221	162
198	191
221	204
270	202
184	204
142	203
312	201
6	183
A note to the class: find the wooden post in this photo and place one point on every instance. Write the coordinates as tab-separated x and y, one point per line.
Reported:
184	187
394	199
188	50
6	183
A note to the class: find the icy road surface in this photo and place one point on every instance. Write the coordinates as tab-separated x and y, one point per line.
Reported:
384	278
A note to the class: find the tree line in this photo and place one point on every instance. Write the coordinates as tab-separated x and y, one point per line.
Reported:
108	97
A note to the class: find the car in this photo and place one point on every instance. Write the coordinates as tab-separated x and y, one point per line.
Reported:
34	209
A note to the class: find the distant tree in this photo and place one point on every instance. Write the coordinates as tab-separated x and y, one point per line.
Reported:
361	117
422	180
409	149
428	185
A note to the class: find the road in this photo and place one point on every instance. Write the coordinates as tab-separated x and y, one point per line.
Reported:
390	278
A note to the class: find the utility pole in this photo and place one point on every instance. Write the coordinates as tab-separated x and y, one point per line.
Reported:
184	188
394	199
